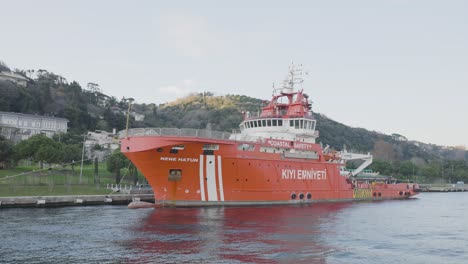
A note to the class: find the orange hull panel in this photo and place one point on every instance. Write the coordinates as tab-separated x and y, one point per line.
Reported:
228	175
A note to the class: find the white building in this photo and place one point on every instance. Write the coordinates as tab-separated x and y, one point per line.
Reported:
16	78
107	142
17	127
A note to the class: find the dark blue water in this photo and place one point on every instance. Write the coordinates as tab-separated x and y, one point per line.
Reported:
430	229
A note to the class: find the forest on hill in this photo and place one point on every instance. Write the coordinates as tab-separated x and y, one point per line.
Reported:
89	109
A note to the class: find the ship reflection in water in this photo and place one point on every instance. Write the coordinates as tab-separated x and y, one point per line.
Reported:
429	229
238	234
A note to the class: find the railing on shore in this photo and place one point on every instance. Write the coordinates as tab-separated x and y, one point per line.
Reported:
181	132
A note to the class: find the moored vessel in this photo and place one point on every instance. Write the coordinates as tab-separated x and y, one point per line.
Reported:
273	159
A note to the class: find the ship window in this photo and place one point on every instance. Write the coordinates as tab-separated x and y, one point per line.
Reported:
259	123
307	124
280	122
255	123
302	123
210	147
175	175
269	122
313	125
291	123
264	123
275	123
247	147
251	124
296	123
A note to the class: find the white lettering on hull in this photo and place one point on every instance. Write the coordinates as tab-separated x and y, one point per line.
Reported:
173	159
287	174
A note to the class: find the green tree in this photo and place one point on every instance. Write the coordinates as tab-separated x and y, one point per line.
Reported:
40	148
6	150
382	166
115	163
407	168
71	154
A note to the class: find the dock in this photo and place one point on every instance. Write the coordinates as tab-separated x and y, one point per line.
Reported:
72	200
442	188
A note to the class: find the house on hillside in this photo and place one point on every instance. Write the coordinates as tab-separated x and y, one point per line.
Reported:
14	77
100	144
17	126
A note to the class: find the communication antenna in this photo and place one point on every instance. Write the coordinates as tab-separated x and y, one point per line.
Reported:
295	76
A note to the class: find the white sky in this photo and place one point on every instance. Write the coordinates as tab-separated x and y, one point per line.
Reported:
390	66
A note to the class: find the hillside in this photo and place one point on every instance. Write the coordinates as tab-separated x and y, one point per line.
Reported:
89	109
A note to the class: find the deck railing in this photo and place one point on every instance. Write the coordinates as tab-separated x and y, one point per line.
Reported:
181	132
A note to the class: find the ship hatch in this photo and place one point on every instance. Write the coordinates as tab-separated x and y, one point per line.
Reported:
175	175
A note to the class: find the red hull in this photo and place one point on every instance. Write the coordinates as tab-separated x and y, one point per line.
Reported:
182	171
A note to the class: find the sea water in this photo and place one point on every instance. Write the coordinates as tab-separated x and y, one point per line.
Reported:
431	228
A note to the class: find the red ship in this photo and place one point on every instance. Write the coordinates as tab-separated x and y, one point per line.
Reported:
273	159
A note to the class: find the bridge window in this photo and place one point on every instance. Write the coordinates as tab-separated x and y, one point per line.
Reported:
255	123
260	123
296	123
301	123
275	123
280	122
269	122
291	123
264	123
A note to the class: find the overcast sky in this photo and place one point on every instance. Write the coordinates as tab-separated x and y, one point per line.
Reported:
389	66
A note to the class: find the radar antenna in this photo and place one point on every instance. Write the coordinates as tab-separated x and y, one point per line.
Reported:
295	76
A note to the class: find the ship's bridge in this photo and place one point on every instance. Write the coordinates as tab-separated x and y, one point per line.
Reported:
292	128
287	116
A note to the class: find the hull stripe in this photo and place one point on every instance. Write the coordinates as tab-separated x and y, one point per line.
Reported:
220	179
211	178
202	182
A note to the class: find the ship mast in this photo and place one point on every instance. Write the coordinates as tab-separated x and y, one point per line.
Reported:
295	74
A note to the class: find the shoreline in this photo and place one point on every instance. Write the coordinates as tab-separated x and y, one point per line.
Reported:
72	200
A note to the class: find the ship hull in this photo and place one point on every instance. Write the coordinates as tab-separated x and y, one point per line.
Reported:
186	171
